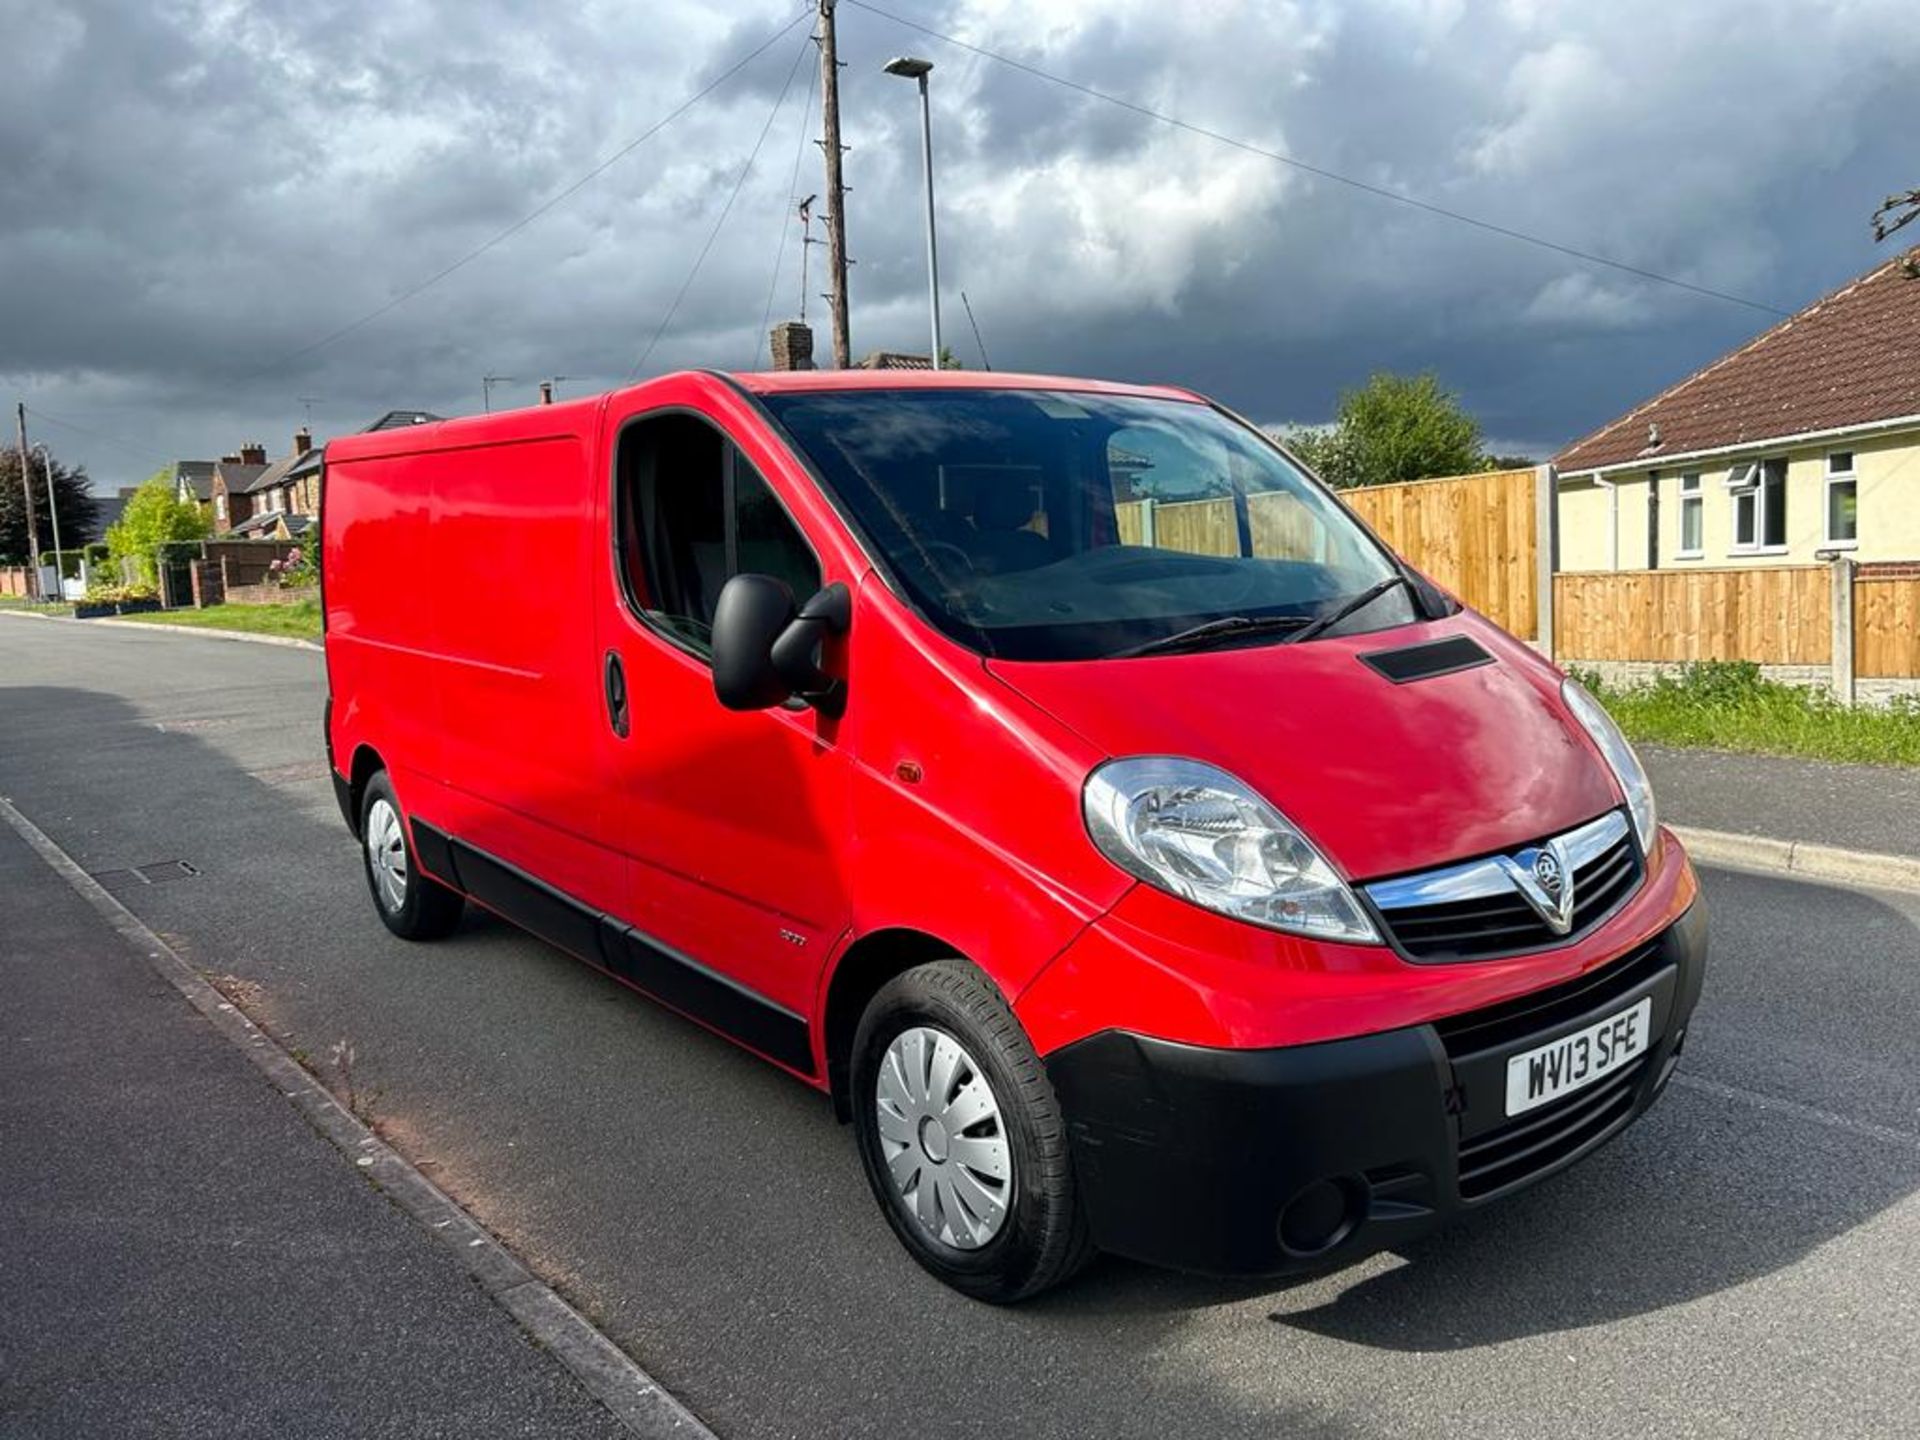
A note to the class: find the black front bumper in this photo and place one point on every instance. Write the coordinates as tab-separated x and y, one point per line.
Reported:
1268	1161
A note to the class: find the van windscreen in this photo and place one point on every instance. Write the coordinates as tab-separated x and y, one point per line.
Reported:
1062	525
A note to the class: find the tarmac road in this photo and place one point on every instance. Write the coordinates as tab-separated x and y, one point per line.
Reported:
1740	1263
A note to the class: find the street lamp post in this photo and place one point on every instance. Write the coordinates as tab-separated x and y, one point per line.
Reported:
914	69
53	514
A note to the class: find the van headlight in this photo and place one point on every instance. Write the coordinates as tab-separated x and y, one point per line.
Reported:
1620	758
1196	832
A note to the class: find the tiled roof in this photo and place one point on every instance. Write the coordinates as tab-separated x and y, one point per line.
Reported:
274	474
1850	358
238	477
401	420
195	475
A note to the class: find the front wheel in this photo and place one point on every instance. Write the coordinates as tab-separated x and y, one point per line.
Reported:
962	1138
414	905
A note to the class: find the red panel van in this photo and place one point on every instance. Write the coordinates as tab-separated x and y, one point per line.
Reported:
1053	773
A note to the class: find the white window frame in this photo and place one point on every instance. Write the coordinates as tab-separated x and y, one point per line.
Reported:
1848	476
1745	482
1694	495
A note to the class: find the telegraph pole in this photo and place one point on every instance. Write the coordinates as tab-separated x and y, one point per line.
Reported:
836	191
26	489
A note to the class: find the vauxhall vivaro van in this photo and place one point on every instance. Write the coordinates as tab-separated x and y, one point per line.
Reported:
1054	773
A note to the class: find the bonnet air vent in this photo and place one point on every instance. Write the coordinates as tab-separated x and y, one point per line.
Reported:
1421	662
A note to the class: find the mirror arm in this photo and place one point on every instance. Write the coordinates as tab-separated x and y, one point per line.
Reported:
829	612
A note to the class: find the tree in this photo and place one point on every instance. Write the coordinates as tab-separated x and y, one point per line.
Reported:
71	494
1395	427
155	514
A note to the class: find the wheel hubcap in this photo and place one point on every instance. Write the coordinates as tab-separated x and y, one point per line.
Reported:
943	1138
387	854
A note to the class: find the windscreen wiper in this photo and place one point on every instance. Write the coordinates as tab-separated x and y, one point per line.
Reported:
1320	624
1227	626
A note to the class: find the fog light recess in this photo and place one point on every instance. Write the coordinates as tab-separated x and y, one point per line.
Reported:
1321	1216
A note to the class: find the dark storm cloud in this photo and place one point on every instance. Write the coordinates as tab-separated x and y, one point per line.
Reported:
194	192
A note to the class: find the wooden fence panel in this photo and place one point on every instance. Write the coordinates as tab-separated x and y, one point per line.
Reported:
1886	628
1198	527
1777	615
1475	534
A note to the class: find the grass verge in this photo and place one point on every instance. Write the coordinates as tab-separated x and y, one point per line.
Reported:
35	607
300	620
1726	705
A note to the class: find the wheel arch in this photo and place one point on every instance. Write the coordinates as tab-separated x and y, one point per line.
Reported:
365	765
866	965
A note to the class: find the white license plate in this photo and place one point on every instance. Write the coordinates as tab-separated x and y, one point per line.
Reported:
1575	1061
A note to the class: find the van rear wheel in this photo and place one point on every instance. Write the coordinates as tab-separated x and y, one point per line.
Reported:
413	905
962	1138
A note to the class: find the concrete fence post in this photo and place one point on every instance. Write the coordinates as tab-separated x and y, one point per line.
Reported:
1841	609
1146	522
1546	555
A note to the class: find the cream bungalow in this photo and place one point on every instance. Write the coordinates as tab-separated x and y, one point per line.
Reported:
1801	444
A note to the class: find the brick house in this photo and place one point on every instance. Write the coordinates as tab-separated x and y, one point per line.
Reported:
1802	443
233	477
284	497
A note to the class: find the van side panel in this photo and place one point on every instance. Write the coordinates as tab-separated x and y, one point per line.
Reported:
380	641
516	678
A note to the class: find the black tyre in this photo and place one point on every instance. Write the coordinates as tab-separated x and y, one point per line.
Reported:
962	1138
414	906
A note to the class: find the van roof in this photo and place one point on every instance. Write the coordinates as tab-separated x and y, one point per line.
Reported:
579	416
778	382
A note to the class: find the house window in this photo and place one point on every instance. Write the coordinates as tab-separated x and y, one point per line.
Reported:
1843	500
1759	504
1692	517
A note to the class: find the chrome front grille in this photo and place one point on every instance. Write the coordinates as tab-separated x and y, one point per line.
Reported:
1481	909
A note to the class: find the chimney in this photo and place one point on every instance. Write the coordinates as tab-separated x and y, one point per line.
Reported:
229	459
546	392
302	440
253	453
792	346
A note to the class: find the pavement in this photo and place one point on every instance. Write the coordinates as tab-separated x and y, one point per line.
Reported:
1874	808
184	1255
1739	1263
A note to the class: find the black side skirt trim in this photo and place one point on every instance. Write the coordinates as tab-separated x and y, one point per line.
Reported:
434	854
674	979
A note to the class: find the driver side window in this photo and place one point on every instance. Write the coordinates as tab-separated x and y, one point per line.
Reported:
693	513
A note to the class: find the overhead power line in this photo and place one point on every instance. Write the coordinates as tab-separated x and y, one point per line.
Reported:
532	215
132	449
1382	192
787	202
725	210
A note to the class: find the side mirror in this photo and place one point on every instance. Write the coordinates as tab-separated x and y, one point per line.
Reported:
764	653
750	615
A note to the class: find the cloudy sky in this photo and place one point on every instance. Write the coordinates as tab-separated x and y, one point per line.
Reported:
193	194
